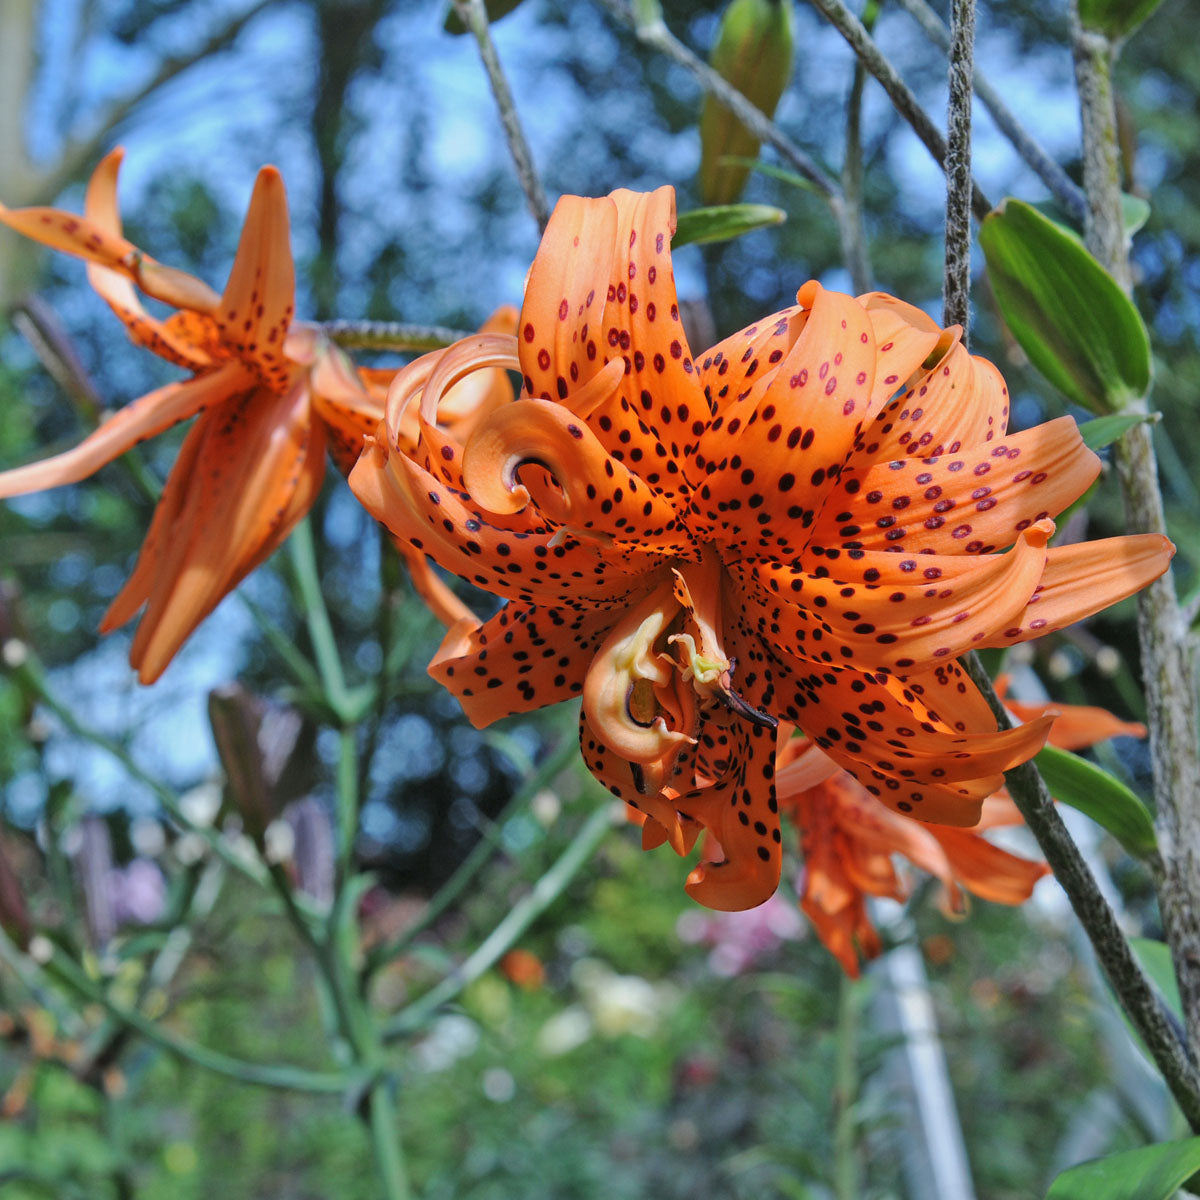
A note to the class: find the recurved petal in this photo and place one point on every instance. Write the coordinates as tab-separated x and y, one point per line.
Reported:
526	565
972	502
880	730
1084	578
259	299
524	658
137	421
591	493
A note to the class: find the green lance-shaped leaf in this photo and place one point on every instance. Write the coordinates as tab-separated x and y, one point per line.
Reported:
1115	18
1068	314
495	10
754	50
724	222
1155	958
1103	431
1097	794
1149	1173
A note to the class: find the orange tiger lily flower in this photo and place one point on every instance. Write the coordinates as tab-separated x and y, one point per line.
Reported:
800	525
849	840
270	394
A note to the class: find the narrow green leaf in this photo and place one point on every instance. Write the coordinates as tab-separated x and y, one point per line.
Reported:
1116	18
1068	314
780	173
1103	431
1155	958
1149	1173
724	222
1135	211
1097	794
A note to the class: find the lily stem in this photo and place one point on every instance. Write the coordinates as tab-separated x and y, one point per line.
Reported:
1167	654
1145	1010
956	284
1057	181
72	976
473	15
564	753
316	615
845	1093
869	54
519	918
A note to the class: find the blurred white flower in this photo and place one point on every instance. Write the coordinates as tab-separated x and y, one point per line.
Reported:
452	1037
499	1085
565	1031
201	805
279	841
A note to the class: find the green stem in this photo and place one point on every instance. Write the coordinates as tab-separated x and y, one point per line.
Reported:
845	1092
480	853
29	676
547	889
265	1075
316	615
385	1139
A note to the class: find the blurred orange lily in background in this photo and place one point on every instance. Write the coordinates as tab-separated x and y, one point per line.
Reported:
849	839
271	394
800	526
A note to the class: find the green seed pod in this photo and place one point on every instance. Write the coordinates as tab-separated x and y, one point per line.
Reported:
754	52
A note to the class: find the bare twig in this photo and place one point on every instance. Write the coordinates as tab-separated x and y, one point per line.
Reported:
657	36
850	225
391	335
81	151
474	16
1145	1010
869	54
956	281
1167	655
1057	181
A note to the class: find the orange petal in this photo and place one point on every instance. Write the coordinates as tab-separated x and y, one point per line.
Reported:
972	502
561	322
524	658
961	401
649	421
738	370
593	493
257	470
259	298
768	468
519	565
743	814
1084	578
904	338
825	620
437	596
137	421
986	870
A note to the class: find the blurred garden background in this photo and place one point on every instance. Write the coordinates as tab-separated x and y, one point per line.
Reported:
630	1043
